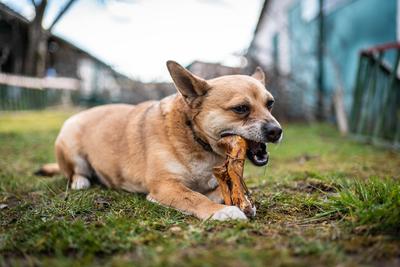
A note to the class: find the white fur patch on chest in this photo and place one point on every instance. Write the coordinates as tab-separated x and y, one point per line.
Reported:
202	176
197	171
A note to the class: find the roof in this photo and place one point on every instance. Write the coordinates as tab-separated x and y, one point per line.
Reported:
261	17
208	64
259	22
14	14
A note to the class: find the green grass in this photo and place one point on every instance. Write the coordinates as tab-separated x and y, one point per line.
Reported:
372	205
322	201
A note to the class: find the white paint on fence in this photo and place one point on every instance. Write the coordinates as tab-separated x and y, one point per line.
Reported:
61	83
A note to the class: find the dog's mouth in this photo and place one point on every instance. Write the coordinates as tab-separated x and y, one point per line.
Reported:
256	152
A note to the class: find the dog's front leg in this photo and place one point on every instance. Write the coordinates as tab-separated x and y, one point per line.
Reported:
216	195
174	194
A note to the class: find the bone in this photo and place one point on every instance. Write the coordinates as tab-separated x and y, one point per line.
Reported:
230	174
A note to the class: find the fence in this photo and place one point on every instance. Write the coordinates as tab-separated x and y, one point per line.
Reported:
21	92
375	115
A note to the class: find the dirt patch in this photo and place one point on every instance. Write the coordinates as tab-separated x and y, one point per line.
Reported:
314	185
305	158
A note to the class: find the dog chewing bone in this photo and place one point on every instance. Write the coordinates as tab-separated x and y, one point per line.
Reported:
167	149
230	174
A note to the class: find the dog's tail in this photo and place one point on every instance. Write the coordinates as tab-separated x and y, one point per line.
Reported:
49	169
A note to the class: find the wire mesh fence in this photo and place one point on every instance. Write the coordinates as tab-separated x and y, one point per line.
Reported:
23	92
19	98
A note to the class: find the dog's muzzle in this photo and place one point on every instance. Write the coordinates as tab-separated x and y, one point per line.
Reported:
272	132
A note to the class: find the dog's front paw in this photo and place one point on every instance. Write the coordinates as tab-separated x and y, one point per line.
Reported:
229	213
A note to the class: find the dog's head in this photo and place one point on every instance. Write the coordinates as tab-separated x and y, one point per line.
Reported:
230	105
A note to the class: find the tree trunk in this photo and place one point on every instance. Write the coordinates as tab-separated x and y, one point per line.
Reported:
37	43
42	55
35	64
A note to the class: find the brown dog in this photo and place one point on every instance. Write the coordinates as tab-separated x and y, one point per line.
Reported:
167	149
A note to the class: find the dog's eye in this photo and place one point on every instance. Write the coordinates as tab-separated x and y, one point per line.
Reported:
241	109
270	104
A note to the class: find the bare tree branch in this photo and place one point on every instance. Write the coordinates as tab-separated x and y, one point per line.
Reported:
34	3
61	13
40	9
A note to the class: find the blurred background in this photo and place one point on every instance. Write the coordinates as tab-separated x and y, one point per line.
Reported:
326	198
326	60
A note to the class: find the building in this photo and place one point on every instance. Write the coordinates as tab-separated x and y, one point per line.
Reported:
207	70
99	82
316	55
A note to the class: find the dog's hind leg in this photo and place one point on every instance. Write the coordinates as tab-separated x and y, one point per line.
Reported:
82	172
75	167
79	182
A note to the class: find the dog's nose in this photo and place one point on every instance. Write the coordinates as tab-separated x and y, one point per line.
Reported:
272	131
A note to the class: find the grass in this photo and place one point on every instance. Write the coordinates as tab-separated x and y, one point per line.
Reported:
322	201
372	205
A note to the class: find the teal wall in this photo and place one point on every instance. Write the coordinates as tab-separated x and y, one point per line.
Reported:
349	28
303	61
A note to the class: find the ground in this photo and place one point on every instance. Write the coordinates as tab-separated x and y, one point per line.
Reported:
323	200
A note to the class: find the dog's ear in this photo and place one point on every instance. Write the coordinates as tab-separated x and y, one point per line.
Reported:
259	75
188	84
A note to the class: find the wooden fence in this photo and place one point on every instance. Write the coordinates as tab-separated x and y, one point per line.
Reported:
375	115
